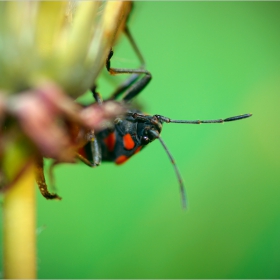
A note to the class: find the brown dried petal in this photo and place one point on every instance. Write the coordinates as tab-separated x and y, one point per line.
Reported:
96	116
53	97
38	122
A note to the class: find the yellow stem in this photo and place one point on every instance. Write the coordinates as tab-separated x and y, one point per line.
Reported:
19	228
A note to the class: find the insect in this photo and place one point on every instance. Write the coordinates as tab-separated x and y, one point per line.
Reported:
135	130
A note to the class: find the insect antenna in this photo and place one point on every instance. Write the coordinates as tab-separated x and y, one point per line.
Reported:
230	119
168	120
179	177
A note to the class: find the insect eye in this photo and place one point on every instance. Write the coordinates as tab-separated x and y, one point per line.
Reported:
145	140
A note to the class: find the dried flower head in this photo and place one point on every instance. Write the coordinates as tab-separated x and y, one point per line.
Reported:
51	53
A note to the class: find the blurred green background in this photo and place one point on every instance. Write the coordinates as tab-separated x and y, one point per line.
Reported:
208	60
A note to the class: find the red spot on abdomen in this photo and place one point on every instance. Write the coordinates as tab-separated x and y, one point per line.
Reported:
137	150
128	142
110	141
121	159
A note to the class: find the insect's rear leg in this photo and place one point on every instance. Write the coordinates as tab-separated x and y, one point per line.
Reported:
41	181
134	84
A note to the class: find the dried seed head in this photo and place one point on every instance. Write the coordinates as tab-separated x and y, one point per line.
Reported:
51	53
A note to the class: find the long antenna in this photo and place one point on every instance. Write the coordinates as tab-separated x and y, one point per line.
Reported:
230	119
167	120
157	119
179	177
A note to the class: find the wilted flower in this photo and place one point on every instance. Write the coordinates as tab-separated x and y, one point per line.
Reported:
51	53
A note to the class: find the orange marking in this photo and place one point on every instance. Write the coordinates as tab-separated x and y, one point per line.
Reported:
121	159
138	150
110	141
128	142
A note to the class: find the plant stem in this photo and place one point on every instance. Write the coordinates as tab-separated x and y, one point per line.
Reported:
19	227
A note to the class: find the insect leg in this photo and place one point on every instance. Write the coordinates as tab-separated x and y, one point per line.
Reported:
95	148
133	85
95	152
97	96
41	181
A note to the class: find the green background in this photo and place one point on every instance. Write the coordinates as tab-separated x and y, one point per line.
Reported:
208	60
